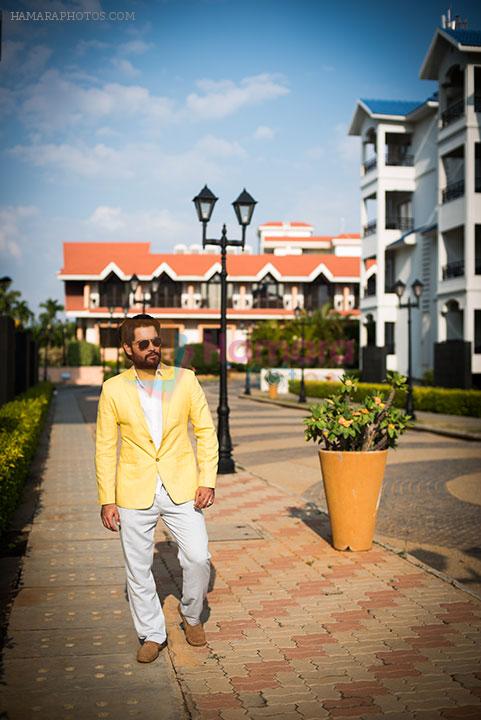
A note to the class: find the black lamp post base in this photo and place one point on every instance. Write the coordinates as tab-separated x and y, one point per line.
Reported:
226	466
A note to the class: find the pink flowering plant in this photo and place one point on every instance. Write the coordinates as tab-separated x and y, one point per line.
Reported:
339	423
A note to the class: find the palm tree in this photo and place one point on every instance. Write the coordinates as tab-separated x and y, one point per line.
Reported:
8	298
22	314
49	327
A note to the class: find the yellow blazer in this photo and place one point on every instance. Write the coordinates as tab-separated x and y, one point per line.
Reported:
129	479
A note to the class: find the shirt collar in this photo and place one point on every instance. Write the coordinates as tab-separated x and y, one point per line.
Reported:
158	374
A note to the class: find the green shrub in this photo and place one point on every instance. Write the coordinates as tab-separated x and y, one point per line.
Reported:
81	352
202	357
21	422
430	399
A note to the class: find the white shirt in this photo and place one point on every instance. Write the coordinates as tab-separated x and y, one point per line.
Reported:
152	406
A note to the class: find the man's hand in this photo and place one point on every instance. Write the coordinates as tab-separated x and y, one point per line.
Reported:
110	516
204	496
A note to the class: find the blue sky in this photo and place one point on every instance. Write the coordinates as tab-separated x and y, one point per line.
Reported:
109	128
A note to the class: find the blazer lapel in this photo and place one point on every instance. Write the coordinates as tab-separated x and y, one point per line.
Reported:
134	401
168	381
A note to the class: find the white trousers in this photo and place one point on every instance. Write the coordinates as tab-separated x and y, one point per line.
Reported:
187	525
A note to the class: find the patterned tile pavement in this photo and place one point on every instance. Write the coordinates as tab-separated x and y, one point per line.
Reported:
295	629
299	630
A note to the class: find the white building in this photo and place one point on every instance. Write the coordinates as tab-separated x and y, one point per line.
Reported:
421	207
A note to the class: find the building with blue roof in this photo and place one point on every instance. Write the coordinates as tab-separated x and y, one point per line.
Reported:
421	217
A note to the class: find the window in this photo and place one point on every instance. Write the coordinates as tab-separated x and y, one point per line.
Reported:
317	293
477	332
112	291
268	293
370	286
477	167
477	250
389	337
168	293
109	337
389	270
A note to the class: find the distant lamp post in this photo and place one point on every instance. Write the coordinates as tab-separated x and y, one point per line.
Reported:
417	289
154	287
247	383
134	284
244	207
301	319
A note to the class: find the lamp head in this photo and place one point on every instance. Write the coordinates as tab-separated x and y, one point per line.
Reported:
204	204
399	288
244	208
134	282
155	285
417	288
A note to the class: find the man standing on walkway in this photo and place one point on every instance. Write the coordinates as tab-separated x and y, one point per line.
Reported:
156	474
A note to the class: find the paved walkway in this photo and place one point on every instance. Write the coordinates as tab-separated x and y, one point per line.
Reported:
296	630
70	649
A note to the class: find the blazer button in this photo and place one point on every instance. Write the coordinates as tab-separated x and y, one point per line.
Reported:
157	459
151	442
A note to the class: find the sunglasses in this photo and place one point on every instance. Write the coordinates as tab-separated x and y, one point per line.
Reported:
144	344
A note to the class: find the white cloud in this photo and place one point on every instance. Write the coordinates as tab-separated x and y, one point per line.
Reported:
125	67
146	162
21	61
264	132
225	97
134	47
154	226
94	161
12	232
54	103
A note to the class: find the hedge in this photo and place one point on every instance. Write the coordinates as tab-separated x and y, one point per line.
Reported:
81	352
430	399
21	423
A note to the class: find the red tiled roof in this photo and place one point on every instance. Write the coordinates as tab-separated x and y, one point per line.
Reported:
278	223
85	259
347	236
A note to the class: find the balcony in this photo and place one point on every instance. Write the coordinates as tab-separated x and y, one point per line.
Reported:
369	164
477	103
399	223
453	269
453	191
452	113
370	228
394	158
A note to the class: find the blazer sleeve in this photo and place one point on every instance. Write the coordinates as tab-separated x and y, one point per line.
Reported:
206	436
106	440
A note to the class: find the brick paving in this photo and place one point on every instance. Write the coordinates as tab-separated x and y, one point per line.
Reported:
295	629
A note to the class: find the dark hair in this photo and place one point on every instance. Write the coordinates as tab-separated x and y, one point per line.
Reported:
127	329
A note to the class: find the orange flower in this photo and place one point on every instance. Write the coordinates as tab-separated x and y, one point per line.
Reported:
391	426
345	423
364	411
377	400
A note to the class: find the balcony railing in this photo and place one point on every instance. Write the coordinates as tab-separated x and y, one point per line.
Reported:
452	113
453	269
370	228
399	223
369	164
394	158
453	191
477	103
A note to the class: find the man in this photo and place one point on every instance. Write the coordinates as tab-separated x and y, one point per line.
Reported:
156	474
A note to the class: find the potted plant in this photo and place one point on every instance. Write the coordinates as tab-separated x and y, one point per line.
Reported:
273	379
354	439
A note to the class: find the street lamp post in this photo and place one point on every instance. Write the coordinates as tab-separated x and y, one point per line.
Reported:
300	317
247	382
111	310
244	208
417	288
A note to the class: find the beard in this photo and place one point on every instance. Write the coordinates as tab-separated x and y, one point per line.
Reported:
149	362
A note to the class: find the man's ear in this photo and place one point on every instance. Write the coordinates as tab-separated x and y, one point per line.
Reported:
126	350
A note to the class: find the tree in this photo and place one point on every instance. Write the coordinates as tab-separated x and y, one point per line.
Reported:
50	329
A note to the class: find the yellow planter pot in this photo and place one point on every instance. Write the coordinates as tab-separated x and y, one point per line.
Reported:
352	483
272	392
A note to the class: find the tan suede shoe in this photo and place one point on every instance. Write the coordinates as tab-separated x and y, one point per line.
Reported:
194	634
149	651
